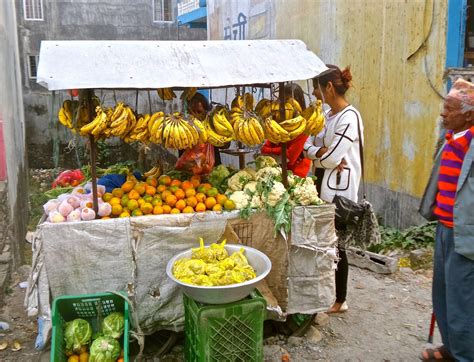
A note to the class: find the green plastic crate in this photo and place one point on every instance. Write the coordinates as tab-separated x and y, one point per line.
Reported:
90	307
225	332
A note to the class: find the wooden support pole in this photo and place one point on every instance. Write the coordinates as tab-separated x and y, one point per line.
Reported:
93	155
284	166
88	94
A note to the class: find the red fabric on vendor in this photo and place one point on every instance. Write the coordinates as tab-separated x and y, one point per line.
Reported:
294	153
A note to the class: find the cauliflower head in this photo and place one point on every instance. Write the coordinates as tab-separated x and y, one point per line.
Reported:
237	181
241	199
256	202
268	173
251	187
305	193
275	195
265	161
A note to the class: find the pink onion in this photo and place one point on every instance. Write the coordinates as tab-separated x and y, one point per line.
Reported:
87	214
65	208
75	215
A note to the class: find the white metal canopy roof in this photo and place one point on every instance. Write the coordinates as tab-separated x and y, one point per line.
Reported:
163	64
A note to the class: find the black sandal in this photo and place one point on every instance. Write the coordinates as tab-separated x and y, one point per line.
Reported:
443	355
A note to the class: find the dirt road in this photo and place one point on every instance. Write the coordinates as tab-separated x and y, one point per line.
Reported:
388	320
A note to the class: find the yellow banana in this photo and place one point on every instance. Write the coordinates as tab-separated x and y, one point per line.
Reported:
248	101
120	119
293	123
166	94
63	118
258	129
237	102
296	106
117	111
297	131
101	125
90	126
201	130
222	125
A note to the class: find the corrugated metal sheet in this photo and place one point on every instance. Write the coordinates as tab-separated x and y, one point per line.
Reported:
162	64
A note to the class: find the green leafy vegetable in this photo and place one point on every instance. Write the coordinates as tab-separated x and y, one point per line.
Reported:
218	177
113	325
77	333
415	237
54	193
104	349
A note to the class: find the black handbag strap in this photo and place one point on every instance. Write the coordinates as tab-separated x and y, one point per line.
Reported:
361	152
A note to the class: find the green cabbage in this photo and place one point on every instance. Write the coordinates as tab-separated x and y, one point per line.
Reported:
104	349
113	325
77	333
217	177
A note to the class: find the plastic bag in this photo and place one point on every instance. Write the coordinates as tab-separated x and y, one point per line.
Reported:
198	160
68	178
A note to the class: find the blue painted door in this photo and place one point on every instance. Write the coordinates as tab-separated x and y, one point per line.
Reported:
456	33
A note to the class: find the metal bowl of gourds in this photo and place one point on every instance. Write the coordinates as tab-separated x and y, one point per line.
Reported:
221	294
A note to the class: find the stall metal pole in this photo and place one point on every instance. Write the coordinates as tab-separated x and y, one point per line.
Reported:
93	150
284	167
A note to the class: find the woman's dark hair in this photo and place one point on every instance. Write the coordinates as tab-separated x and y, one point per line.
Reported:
295	91
199	98
340	79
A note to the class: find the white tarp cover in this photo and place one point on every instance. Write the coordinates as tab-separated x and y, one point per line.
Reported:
130	254
163	64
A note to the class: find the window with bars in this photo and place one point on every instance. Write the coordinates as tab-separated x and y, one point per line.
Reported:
32	66
162	10
33	9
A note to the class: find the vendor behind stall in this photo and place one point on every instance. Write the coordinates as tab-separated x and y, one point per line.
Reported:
199	107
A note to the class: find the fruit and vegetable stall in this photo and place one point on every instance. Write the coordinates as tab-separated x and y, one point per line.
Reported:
116	230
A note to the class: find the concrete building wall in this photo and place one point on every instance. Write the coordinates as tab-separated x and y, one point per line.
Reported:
393	93
84	20
11	111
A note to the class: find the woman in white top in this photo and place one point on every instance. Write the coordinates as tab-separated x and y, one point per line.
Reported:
337	152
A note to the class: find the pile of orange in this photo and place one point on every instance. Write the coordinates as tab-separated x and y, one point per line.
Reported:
165	196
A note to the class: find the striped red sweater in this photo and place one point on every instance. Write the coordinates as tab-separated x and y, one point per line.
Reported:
452	158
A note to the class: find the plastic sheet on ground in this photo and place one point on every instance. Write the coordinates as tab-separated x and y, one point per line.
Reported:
130	254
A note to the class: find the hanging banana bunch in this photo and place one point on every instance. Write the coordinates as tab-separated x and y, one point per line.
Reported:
166	94
154	123
140	132
217	126
314	118
200	127
294	126
65	114
98	124
219	121
264	108
277	131
246	123
176	132
121	121
274	132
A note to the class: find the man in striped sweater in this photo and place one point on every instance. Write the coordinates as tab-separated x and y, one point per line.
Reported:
449	198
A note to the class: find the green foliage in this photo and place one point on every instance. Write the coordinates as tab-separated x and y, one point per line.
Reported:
415	237
103	152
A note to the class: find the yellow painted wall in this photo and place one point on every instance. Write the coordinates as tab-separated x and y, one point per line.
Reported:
398	106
